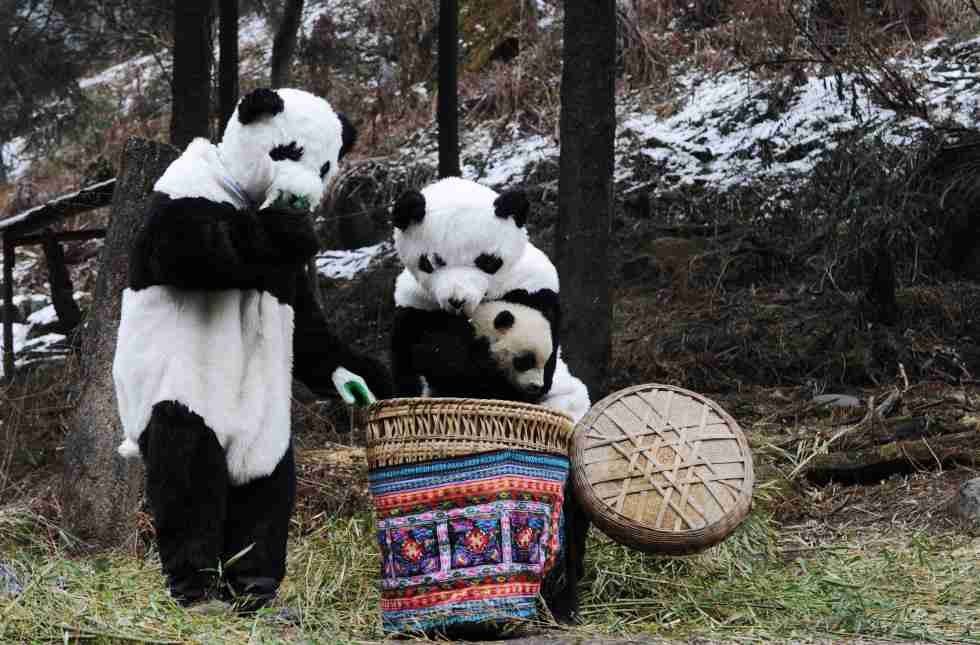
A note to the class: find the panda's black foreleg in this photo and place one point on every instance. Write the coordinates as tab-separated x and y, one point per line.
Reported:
187	486
258	520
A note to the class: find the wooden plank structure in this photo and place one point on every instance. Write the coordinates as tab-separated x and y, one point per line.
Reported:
33	227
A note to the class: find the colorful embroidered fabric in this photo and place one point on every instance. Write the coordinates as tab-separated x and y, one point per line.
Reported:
468	539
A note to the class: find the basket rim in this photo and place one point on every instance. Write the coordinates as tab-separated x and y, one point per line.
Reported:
461	404
651	538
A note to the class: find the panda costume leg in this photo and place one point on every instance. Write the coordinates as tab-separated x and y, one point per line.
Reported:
187	488
256	532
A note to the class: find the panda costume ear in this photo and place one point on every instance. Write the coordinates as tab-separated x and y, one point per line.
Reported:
408	210
512	203
259	103
503	321
348	135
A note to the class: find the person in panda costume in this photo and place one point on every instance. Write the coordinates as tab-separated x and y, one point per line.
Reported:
464	246
219	316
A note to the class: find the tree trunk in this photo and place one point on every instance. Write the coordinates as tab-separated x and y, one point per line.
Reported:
447	110
284	44
585	190
227	60
100	490
191	83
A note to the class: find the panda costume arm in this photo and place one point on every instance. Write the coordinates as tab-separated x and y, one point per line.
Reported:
318	352
196	243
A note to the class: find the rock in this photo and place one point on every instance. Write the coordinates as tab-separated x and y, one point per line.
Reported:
967	504
837	401
9	585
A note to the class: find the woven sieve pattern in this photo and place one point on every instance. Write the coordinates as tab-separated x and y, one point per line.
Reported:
413	430
662	469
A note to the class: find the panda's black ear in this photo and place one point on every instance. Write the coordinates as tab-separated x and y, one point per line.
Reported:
408	210
348	134
259	103
512	203
503	321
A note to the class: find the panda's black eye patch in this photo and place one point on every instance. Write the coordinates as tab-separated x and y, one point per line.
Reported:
524	362
504	320
425	265
289	151
438	260
488	263
324	169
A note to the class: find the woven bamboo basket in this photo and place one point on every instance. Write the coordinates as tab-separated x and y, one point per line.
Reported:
412	430
662	469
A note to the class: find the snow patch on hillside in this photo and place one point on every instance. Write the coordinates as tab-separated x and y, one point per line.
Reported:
344	265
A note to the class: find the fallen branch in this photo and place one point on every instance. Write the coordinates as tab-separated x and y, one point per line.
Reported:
880	462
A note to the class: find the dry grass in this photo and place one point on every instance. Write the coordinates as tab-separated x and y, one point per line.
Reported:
762	583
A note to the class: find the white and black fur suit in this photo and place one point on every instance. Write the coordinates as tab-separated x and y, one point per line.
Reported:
218	317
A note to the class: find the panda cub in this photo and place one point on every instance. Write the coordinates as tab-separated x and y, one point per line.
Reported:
518	340
509	359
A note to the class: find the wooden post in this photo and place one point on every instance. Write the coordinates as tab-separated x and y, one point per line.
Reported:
8	308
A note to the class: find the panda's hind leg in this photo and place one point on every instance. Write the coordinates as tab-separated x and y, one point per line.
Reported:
255	535
186	486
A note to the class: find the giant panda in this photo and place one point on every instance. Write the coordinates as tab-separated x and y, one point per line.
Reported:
506	357
463	244
219	315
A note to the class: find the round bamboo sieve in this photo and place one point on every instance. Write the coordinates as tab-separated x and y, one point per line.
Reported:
662	469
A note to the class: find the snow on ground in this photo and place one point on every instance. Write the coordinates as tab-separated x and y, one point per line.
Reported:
345	265
732	130
14	159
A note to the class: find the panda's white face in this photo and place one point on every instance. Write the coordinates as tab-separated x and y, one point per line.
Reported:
287	140
519	339
457	238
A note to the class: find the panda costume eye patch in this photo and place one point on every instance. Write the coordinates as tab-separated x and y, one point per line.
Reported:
524	362
488	263
324	169
289	151
424	264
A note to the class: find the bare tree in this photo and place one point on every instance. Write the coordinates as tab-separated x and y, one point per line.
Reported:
227	59
191	83
284	44
585	190
447	109
100	490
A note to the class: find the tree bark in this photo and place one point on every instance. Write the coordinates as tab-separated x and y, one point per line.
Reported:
880	462
191	83
100	490
447	115
227	60
284	44
585	190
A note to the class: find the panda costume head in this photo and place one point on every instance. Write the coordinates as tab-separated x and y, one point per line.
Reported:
276	141
519	341
462	243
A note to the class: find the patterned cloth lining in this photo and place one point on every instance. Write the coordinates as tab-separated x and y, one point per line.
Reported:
467	539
